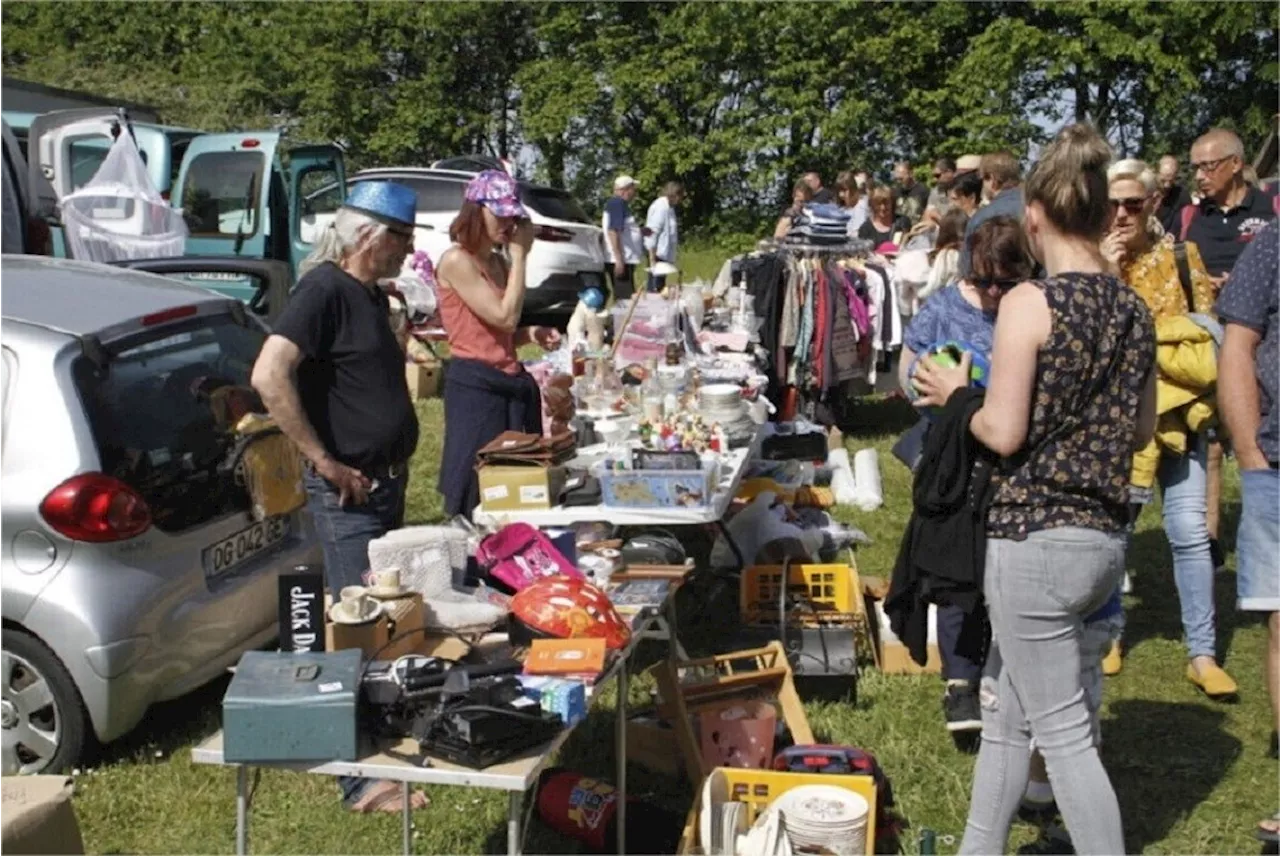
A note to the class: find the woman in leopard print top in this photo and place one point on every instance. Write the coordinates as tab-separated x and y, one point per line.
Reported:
1071	397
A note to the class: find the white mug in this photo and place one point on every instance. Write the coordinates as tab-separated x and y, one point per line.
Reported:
388	579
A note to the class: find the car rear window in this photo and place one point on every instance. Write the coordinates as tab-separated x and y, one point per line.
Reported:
436	194
556	204
162	413
221	193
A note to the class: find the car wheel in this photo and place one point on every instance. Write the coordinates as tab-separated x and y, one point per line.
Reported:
43	723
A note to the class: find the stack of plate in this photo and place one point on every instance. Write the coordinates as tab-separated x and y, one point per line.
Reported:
824	817
723	403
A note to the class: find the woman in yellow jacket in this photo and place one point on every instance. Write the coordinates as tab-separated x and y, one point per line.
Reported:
1147	262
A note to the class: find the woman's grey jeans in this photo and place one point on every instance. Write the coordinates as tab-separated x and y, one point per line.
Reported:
1038	593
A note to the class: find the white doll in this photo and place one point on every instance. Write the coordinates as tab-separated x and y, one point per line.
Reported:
586	326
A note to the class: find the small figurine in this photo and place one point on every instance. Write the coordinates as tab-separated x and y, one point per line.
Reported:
586	326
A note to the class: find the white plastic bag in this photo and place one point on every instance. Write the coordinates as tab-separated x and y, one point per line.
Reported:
119	214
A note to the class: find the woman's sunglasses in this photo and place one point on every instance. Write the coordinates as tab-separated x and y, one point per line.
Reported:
1132	204
1005	284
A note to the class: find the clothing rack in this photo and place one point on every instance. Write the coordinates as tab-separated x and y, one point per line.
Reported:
855	247
768	273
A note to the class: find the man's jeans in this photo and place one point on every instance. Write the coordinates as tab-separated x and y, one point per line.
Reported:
1182	481
345	533
1039	592
1258	542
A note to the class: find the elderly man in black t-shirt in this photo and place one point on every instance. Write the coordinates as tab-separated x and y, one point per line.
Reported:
332	377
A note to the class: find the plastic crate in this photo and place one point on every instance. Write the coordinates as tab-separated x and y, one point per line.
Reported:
759	788
832	590
659	488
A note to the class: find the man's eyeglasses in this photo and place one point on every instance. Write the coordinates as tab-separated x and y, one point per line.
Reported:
1131	204
1004	284
1209	165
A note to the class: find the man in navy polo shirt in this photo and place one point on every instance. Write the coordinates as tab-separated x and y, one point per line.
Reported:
624	239
1230	212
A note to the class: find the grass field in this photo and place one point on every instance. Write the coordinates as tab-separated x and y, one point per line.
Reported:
1192	776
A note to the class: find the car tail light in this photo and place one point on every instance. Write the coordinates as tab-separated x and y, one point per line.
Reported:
167	315
551	233
249	144
97	508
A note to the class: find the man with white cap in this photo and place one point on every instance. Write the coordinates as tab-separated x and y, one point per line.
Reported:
624	241
331	375
662	231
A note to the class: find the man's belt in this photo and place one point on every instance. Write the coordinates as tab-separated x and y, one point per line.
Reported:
379	473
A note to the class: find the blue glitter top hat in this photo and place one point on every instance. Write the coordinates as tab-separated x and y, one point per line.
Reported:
384	200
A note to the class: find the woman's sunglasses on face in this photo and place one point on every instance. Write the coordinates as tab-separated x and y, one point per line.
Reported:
1131	204
1002	284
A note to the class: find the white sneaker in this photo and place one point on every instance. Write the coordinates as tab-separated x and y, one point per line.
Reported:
1126	586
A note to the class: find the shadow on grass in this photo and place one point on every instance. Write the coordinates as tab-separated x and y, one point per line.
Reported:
1154	610
592	751
169	727
877	415
1164	760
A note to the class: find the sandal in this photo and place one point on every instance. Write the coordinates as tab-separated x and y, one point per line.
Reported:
387	796
1269	829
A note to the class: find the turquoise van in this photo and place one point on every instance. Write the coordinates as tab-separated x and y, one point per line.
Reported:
242	194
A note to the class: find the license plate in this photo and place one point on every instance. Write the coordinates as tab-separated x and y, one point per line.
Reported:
235	550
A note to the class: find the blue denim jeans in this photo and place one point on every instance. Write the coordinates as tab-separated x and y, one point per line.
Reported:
1258	542
1182	483
345	533
1039	592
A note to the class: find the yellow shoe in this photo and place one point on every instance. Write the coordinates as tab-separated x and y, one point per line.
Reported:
1112	663
1212	680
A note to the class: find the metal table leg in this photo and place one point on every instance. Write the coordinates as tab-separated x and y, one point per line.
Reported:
408	832
242	810
515	803
733	545
621	739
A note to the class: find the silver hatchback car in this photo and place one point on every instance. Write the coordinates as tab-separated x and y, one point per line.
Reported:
133	570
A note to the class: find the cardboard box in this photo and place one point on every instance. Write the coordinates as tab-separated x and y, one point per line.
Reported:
652	744
404	614
517	488
38	816
367	637
423	379
895	659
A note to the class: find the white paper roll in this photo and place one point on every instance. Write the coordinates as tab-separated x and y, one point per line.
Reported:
842	481
866	480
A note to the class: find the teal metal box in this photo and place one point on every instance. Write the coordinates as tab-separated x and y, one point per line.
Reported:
284	706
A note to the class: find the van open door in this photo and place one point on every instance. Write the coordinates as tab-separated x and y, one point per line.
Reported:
223	190
66	147
312	169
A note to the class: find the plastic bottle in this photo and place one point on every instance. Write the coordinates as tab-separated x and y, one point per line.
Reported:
651	392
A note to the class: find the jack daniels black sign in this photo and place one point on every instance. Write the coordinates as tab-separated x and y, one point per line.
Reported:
302	610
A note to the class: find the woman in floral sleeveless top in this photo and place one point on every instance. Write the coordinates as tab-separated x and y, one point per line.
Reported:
1071	398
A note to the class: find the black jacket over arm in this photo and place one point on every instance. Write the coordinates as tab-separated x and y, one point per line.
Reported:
943	551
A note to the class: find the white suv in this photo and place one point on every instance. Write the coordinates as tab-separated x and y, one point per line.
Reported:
568	249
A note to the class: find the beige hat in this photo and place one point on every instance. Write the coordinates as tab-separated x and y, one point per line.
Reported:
968	163
623	181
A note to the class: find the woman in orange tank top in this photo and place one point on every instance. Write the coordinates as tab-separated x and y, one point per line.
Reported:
486	390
